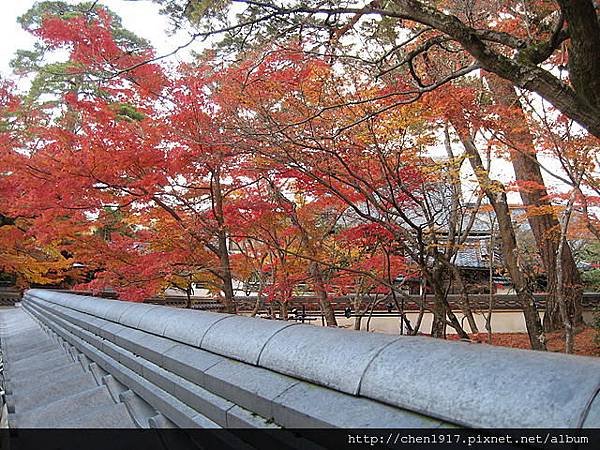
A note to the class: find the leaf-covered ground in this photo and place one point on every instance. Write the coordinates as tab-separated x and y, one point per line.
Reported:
584	341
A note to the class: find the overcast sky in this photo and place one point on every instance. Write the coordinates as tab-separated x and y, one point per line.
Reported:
141	17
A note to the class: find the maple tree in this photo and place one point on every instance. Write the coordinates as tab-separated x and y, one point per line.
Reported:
298	168
287	237
54	186
510	39
432	43
577	154
368	256
374	169
32	256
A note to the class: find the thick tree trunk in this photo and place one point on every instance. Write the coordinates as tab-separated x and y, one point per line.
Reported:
326	308
524	73
545	227
225	275
496	195
535	330
584	48
223	250
441	308
283	310
438	324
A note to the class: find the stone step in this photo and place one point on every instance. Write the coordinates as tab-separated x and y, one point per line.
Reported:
27	382
36	365
21	330
15	318
111	416
33	362
24	343
28	399
42	348
61	411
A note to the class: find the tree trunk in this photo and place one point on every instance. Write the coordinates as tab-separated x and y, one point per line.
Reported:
257	305
283	310
455	323
561	297
441	308
225	275
454	181
488	317
463	295
314	268
358	321
223	250
545	227
496	194
438	323
584	48
325	304
188	294
422	300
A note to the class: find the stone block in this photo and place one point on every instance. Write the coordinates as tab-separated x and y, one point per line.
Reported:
154	320
115	387
139	410
33	361
51	415
41	348
53	375
203	401
98	372
189	362
132	314
200	421
242	418
90	305
329	357
175	410
241	338
483	386
36	367
38	395
84	361
113	314
108	330
160	377
101	308
105	417
143	344
308	406
190	328
251	387
160	421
